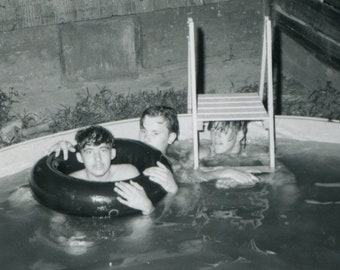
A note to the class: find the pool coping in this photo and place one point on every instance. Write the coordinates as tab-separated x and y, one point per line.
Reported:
24	155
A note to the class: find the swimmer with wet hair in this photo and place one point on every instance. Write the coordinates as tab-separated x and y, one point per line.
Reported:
227	137
158	128
96	148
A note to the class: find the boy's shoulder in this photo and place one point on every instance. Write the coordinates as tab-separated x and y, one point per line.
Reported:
79	174
125	166
125	171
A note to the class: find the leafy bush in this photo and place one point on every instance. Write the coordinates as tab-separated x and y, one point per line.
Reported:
6	102
107	106
325	102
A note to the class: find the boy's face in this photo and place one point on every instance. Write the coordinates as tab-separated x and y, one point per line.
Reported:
97	159
156	133
225	142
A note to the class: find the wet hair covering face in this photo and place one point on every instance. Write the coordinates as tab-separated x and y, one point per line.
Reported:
235	126
93	135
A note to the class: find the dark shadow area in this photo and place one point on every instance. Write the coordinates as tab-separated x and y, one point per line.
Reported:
200	65
277	70
333	3
316	32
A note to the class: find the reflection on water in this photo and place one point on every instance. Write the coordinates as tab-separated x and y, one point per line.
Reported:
288	221
60	234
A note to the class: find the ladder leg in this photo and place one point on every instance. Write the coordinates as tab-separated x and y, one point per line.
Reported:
264	56
270	96
192	89
190	94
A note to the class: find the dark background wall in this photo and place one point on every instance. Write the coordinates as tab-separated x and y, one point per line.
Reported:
50	50
308	40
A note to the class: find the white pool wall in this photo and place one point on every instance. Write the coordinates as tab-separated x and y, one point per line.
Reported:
21	156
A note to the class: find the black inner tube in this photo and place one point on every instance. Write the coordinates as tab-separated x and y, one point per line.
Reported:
54	188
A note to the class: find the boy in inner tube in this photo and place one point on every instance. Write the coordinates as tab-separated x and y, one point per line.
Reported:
159	128
95	148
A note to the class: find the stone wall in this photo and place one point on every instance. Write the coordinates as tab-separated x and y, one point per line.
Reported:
18	14
50	50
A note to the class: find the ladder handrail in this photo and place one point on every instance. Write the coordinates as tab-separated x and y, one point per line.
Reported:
192	87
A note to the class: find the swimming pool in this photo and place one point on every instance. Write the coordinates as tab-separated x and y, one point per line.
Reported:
286	225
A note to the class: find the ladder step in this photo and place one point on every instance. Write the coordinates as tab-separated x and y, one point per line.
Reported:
230	95
228	99
232	117
244	106
236	106
233	109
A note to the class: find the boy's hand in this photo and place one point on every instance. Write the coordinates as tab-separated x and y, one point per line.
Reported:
62	146
163	176
133	195
230	178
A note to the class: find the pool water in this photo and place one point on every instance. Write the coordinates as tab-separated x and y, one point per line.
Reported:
283	225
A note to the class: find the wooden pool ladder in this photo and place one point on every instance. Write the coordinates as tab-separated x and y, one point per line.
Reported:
233	106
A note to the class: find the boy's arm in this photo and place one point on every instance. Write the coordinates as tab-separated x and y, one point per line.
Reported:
163	176
62	146
234	176
133	195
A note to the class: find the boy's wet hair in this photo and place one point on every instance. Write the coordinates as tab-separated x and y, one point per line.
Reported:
93	135
168	113
235	126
